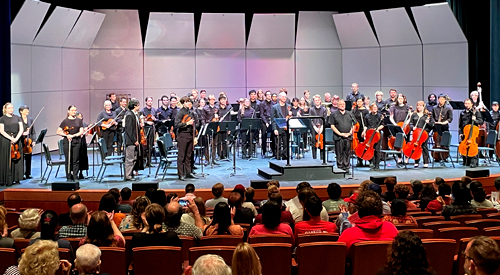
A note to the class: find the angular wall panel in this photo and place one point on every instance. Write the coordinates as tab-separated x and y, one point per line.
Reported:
272	31
169	69
57	28
85	30
116	69
446	65
170	31
401	66
437	24
120	29
46	69
354	30
75	69
221	31
274	68
220	68
361	65
27	22
394	28
316	30
319	68
20	68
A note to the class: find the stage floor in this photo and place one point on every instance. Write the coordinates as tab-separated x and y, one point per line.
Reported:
246	173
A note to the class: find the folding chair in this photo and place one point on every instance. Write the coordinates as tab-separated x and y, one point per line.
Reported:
445	142
398	144
50	163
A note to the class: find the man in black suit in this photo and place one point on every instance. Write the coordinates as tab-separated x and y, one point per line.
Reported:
131	126
280	110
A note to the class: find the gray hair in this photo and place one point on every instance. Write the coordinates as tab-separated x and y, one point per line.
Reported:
29	219
88	258
211	264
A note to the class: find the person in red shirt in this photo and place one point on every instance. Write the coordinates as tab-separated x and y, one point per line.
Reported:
313	206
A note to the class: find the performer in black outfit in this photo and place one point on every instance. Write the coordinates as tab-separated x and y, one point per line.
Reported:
11	130
281	110
210	114
84	159
495	115
342	123
30	133
114	103
431	102
359	113
443	116
149	129
71	129
373	120
393	98
246	111
418	119
355	94
265	115
163	116
184	122
223	112
468	115
317	125
131	138
120	114
108	125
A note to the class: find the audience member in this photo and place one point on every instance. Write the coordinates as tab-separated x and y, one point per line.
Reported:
160	197
416	187
313	206
496	203
217	191
389	194
102	231
294	205
108	203
242	214
222	222
482	256
4	241
304	195
245	260
249	194
271	189
119	207
461	204
398	215
78	229
170	196
427	195
134	220
153	233
286	216
271	215
48	225
348	215
65	219
334	191
402	191
173	222
437	181
126	193
189	190
370	226
28	222
386	208
208	264
88	259
480	200
406	255
442	200
241	189
363	186
189	216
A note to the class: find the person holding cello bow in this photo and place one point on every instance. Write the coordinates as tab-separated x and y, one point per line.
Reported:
374	122
317	127
108	126
342	123
470	117
11	130
71	129
421	120
359	113
399	116
28	138
132	138
246	111
186	139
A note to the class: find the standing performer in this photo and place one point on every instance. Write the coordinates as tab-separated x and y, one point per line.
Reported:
467	116
296	112
131	128
281	110
149	114
224	115
246	112
120	114
71	129
442	114
84	159
380	102
108	126
399	113
359	113
163	116
392	100
184	122
28	139
355	94
342	123
114	103
372	120
418	119
11	130
210	114
317	127
431	102
495	115
265	116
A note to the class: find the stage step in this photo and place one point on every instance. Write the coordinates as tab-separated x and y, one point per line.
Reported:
300	171
268	173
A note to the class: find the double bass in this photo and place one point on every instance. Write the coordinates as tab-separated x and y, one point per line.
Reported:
413	149
365	150
469	147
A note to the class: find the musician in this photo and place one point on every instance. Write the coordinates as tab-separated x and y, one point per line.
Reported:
173	109
28	133
203	95
108	124
280	110
359	113
392	100
184	123
114	103
342	123
131	126
317	125
120	114
467	116
288	101
373	120
84	159
355	94
149	128
196	100
210	113
420	118
265	115
307	97
260	95
335	103
296	112
254	103
431	102
11	130
224	115
366	102
474	96
163	115
71	129
246	111
399	113
495	115
328	98
442	114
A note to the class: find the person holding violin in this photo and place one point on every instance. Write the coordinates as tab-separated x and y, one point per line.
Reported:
359	113
317	127
131	127
186	139
84	159
71	129
11	130
28	139
399	115
342	123
281	110
108	126
373	120
421	119
149	115
468	116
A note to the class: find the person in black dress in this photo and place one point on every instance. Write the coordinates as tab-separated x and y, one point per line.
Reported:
28	133
108	125
11	130
71	129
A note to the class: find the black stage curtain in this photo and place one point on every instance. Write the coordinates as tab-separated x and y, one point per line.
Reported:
495	49
5	52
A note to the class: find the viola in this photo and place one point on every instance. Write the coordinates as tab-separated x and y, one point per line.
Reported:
144	141
66	129
15	154
366	149
469	147
319	141
413	149
27	146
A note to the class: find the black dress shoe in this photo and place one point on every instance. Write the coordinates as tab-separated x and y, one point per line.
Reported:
183	178
29	177
190	176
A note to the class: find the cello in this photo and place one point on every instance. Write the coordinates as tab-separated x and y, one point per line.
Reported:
405	126
366	149
413	149
469	147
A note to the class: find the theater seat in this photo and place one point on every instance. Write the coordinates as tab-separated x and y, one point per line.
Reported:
423	233
156	260
440	254
492	231
309	262
463	218
482	223
441	224
275	258
226	252
457	233
9	258
221	240
270	238
317	237
424	219
485	211
368	257
113	260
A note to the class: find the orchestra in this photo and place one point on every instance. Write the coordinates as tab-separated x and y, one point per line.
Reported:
359	133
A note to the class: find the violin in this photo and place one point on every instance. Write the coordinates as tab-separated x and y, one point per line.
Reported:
355	139
319	141
144	141
413	149
469	147
66	129
216	117
366	149
27	146
15	154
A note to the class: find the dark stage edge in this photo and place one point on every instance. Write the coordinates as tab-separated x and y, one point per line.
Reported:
247	172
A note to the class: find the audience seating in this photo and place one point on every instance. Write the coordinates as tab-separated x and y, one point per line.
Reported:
457	233
21	244
130	232
226	252
423	233
187	243
332	260
403	226
482	223
113	260
368	257
147	260
440	254
75	242
271	263
441	224
423	219
493	216
221	240
12	219
317	237
492	231
463	218
9	258
485	211
270	238
419	213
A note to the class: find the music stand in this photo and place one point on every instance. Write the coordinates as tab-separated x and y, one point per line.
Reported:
39	140
225	126
210	131
348	105
486	116
92	142
295	123
457	105
249	124
201	133
281	124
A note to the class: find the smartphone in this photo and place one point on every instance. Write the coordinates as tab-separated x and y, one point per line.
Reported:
183	202
494	196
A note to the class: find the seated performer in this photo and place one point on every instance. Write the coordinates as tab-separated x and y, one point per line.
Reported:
342	123
373	120
359	113
420	118
467	116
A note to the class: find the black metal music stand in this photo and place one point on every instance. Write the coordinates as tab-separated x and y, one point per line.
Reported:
39	140
281	124
248	124
225	126
93	142
200	134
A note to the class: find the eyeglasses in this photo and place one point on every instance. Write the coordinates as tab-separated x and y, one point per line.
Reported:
466	256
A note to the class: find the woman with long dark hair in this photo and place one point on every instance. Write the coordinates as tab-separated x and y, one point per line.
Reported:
222	222
102	231
271	221
48	224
